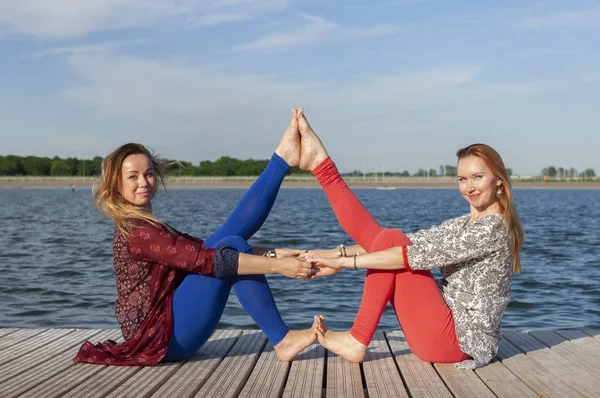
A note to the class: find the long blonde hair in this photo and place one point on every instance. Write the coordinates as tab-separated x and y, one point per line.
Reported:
494	162
106	189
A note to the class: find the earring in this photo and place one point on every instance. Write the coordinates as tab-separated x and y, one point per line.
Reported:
499	191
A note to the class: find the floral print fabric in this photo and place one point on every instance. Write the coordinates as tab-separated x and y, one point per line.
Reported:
476	265
149	267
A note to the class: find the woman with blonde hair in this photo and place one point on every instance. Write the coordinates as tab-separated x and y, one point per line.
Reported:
457	320
172	287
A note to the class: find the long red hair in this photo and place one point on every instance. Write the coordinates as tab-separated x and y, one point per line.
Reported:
494	162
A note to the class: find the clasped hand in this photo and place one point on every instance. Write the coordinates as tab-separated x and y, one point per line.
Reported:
309	264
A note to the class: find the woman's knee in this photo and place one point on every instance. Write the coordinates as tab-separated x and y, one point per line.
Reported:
236	242
388	238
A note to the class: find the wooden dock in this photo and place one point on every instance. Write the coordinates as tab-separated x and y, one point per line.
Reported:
241	363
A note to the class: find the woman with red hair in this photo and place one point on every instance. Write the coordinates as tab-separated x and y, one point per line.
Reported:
456	320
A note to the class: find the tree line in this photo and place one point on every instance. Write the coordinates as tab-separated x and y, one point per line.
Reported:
12	165
560	172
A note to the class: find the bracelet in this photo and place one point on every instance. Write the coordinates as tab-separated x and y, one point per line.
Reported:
270	253
341	251
356	255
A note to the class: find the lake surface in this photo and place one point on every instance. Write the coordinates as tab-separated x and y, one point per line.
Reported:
56	256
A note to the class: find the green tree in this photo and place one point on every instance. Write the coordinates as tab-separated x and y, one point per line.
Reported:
73	165
96	166
448	170
60	167
550	171
35	166
572	172
204	168
11	165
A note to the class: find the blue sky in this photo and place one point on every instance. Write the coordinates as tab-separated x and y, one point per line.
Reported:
387	84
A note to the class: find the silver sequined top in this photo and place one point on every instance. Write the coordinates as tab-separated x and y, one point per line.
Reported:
476	264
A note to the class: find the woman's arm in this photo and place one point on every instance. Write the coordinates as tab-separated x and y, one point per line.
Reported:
436	247
388	259
278	252
355	249
349	251
180	251
168	247
290	267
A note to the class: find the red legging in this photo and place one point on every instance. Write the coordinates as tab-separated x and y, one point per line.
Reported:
425	317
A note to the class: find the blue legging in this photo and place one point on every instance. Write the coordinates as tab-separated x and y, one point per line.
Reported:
199	301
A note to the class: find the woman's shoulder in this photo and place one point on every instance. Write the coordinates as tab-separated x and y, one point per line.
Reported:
493	225
455	222
137	227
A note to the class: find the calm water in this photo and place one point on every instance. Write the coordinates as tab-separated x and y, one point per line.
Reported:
56	260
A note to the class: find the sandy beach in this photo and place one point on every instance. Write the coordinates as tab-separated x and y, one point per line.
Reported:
290	182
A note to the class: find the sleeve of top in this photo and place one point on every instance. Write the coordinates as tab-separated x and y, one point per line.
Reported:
445	244
180	251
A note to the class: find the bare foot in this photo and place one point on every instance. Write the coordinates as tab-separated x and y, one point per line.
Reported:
341	343
295	341
313	152
289	146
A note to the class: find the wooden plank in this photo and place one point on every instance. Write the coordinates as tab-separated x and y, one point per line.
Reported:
577	353
44	353
231	374
130	381
555	364
462	383
561	367
577	334
109	378
45	373
502	381
268	376
6	331
306	373
32	344
534	375
592	332
59	385
578	337
192	375
17	337
343	378
381	375
150	379
420	377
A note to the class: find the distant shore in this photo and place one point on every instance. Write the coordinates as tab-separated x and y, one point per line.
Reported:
290	182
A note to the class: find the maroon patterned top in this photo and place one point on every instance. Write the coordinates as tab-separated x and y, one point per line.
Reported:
149	266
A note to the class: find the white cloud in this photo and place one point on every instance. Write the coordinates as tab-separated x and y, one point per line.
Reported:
76	18
583	19
314	30
201	113
82	49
